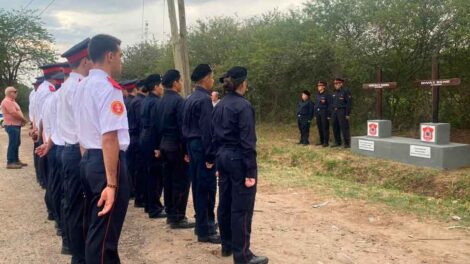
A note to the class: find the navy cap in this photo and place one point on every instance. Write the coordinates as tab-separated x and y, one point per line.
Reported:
200	72
140	83
77	52
38	81
51	69
58	76
237	73
339	79
129	84
170	77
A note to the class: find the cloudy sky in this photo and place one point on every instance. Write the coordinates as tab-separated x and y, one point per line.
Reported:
72	20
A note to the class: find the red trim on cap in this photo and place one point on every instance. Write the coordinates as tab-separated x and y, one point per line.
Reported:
52	70
78	56
67	70
129	86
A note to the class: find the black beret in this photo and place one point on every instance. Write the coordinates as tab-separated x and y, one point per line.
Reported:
322	83
170	77
237	73
338	79
152	80
201	71
140	83
307	93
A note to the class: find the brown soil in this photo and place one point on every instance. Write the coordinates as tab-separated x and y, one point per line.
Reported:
286	228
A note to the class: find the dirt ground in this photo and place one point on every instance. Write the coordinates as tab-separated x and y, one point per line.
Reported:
286	228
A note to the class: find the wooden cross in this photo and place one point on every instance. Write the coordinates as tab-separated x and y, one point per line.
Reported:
436	83
379	87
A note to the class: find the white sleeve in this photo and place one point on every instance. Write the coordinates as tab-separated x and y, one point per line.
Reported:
113	113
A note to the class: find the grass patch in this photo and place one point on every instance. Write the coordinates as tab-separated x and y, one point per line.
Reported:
426	192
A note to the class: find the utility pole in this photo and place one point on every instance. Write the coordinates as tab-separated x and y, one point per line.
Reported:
179	41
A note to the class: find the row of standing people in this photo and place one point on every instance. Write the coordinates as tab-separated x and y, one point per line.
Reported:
335	107
93	149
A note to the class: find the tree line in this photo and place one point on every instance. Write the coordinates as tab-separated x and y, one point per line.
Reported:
287	52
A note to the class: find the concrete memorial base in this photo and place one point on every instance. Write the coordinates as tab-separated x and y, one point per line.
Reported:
433	150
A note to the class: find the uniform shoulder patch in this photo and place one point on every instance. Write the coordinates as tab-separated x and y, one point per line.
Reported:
114	83
51	88
117	107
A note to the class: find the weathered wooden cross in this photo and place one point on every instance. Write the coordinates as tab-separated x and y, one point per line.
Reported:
436	83
379	87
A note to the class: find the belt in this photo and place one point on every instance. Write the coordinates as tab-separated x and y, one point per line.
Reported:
76	145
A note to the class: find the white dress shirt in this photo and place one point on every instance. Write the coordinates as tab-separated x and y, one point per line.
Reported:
67	129
42	93
99	109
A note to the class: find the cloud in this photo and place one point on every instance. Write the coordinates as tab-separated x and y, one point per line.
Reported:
70	21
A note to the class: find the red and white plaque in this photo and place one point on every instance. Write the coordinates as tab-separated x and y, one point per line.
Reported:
428	134
373	129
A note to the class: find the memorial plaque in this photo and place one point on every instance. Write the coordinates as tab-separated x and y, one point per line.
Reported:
367	145
420	151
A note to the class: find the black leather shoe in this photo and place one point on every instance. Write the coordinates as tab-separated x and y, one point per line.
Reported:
161	214
226	252
213	239
183	224
257	260
50	217
65	250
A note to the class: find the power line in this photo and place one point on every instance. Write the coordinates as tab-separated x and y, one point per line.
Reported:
27	5
48	5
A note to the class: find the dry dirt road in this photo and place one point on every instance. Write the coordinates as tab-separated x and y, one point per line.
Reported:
286	228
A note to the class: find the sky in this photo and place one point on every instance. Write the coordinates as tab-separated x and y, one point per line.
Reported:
71	21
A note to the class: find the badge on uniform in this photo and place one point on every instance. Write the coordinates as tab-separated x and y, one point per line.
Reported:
52	88
117	107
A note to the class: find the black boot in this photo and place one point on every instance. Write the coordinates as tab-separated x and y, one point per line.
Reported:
213	239
258	260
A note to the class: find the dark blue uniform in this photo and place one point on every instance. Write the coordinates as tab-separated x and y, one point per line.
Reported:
197	132
152	165
135	166
341	105
234	140
173	150
322	114
304	118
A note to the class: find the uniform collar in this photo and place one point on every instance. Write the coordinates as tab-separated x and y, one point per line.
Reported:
153	95
236	94
141	95
76	75
170	91
98	73
202	89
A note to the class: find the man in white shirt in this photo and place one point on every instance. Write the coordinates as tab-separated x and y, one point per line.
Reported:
79	61
103	130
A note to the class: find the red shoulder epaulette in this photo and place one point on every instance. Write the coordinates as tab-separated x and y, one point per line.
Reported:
114	83
52	88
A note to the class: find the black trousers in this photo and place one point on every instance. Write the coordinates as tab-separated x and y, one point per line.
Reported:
103	232
176	179
51	182
42	168
154	182
204	186
341	126
236	205
137	171
56	185
36	161
74	202
304	127
323	125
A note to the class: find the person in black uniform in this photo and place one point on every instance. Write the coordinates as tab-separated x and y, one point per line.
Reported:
197	116
152	165
304	117
341	105
129	90
322	114
135	165
234	141
172	149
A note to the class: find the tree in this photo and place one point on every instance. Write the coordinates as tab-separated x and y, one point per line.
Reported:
143	59
24	45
